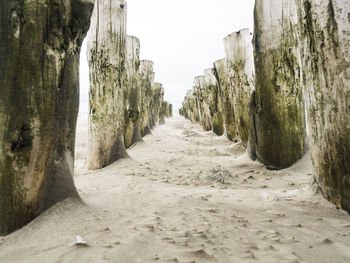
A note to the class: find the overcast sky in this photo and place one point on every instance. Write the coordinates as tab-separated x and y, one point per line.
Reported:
182	37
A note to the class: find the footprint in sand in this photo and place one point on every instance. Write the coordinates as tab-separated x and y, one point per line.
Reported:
326	241
203	255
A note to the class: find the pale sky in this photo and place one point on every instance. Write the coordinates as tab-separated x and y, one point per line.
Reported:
182	37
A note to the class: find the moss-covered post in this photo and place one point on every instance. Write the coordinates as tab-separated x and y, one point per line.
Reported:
279	105
132	92
169	110
190	110
325	26
222	72
239	53
214	101
185	109
197	101
39	85
181	112
162	112
203	101
156	103
146	83
106	56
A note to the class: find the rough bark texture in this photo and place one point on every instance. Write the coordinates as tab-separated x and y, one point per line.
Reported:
325	27
238	49
39	52
146	83
106	56
132	95
278	108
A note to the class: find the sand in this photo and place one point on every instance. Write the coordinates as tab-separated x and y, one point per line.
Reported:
185	195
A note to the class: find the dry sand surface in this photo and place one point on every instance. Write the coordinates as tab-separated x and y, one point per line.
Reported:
185	195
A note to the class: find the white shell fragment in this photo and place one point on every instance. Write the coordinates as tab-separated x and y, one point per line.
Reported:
80	241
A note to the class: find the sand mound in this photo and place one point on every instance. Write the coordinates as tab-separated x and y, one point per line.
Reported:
185	195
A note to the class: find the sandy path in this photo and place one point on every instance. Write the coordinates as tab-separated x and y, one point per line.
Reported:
186	196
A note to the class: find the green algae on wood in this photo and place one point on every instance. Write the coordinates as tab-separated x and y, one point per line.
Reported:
325	30
146	83
189	107
203	103
162	112
279	104
169	110
211	88
240	62
39	85
165	112
222	72
106	56
132	92
156	103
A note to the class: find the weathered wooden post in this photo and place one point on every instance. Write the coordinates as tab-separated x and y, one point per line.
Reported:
278	108
39	85
222	71
146	82
132	92
239	53
325	30
106	56
214	101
